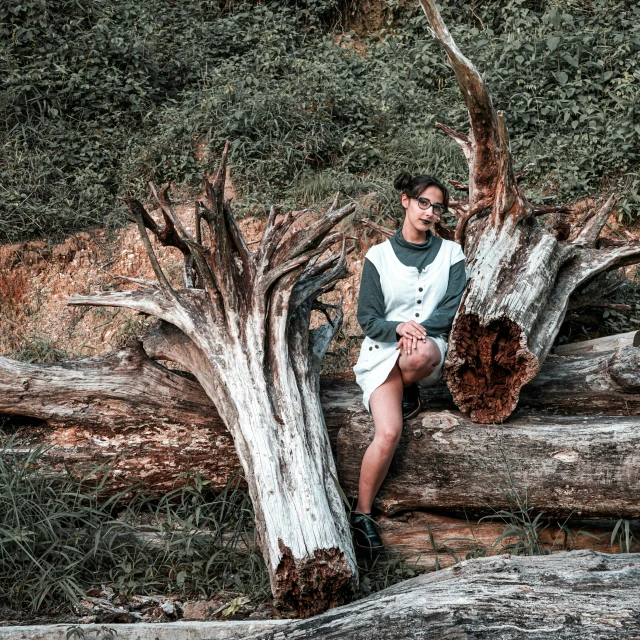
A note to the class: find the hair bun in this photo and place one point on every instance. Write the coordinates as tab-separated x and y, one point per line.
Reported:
402	181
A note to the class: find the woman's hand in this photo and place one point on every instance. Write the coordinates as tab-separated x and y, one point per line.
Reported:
410	332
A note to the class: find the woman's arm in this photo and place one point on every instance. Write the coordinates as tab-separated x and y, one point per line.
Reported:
440	321
371	307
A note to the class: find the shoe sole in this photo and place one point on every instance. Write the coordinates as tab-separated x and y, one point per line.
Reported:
414	413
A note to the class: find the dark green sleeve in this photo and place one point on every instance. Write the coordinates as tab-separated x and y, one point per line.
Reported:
440	321
371	307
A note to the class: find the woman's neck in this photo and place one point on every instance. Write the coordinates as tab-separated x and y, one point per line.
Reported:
411	234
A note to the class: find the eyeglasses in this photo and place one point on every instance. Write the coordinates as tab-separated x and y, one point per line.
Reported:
425	203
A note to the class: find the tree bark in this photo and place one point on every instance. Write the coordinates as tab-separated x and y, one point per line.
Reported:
434	541
241	326
521	271
150	423
597	345
582	594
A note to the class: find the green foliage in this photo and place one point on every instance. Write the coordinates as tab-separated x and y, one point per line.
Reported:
60	534
38	348
99	97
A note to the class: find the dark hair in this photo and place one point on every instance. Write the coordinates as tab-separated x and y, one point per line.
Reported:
416	185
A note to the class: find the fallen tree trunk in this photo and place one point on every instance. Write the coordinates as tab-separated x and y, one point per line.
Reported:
521	272
434	541
126	409
564	466
607	343
582	594
606	382
150	423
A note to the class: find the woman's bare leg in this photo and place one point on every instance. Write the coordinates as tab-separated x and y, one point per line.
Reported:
386	409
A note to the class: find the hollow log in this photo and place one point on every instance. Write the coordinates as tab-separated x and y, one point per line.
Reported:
520	273
581	594
241	326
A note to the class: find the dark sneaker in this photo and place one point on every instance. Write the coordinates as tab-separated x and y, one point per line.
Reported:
366	536
411	404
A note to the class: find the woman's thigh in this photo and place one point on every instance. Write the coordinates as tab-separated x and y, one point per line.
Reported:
386	406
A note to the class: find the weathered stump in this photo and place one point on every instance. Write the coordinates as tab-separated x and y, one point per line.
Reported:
241	327
521	271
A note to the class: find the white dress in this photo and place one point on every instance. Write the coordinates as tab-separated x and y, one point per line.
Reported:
408	295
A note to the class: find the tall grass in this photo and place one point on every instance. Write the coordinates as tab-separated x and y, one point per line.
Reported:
61	534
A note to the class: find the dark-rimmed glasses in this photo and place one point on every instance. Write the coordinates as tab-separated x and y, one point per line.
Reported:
425	203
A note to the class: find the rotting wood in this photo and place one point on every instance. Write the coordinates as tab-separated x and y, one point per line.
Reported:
521	272
581	595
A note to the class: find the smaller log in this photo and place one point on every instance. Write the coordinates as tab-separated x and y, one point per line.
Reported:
591	381
434	541
582	595
598	345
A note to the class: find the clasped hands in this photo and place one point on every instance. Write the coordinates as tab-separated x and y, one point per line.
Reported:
410	334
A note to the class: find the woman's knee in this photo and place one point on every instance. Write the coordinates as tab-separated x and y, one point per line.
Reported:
388	438
426	354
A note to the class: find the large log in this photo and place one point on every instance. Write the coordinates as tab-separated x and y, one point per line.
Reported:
150	423
592	381
154	424
581	595
521	272
561	465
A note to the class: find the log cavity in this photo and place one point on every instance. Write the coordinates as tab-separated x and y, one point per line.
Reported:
313	585
489	366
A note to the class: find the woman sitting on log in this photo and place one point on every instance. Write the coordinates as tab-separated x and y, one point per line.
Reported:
409	294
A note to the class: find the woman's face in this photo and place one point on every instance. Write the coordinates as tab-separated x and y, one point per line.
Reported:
422	220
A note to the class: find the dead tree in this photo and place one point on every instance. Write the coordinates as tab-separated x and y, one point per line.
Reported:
521	272
153	425
241	326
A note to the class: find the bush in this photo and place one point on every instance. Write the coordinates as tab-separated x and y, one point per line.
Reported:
99	97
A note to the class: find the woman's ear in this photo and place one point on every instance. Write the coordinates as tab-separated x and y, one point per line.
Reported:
404	200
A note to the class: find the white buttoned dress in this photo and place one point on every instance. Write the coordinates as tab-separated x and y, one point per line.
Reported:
408	295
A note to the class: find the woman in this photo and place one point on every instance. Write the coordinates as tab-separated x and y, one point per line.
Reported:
409	294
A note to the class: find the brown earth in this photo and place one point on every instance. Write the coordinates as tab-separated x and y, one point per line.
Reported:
37	278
